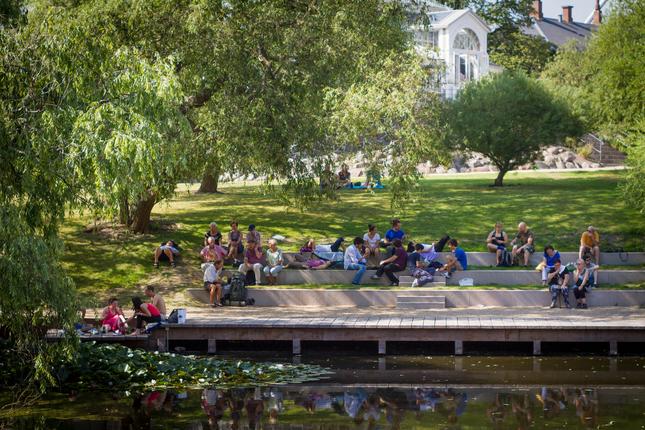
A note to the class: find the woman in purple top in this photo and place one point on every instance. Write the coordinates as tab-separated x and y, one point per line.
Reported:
395	263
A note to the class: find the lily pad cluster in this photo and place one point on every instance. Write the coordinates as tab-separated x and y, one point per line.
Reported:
100	366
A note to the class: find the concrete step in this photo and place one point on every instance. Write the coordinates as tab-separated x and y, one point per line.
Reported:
532	277
420	305
420	299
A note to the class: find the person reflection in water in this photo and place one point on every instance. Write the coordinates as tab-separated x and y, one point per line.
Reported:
586	402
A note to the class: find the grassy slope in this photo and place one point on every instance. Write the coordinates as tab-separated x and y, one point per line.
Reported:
557	206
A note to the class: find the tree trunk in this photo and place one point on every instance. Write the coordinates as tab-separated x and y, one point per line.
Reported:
141	214
124	212
499	180
210	181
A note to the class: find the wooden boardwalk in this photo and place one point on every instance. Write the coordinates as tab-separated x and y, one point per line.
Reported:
531	325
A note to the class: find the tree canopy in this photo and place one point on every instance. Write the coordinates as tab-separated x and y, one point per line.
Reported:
509	118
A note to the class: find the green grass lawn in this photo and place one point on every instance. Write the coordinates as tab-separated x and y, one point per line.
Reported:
557	207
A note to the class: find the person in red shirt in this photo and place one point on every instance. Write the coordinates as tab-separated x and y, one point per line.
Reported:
144	312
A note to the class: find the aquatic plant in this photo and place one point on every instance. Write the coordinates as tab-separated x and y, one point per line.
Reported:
110	367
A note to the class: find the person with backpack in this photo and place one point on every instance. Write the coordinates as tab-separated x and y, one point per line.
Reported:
496	242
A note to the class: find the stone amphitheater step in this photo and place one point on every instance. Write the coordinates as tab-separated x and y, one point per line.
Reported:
532	277
414	301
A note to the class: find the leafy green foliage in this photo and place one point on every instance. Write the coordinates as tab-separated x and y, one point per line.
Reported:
518	51
604	82
116	367
509	118
634	185
392	106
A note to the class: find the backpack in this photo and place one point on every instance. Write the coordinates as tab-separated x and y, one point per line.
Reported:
507	258
238	289
173	318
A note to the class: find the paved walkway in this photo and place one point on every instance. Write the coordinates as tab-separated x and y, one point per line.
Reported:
605	317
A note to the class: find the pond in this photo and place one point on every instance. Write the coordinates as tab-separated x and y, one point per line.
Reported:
399	392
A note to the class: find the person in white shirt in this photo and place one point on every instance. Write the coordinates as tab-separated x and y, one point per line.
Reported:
213	281
354	260
372	240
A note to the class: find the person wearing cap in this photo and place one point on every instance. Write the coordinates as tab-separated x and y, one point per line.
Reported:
213	232
590	243
254	235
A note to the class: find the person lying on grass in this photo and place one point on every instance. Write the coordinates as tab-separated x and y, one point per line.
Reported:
166	251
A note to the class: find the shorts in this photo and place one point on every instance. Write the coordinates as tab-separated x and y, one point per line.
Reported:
207	285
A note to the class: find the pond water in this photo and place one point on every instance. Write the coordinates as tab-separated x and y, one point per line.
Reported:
401	392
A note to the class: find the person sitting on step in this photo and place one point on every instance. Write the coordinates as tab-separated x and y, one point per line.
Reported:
212	251
254	235
166	251
395	262
213	231
156	300
558	281
354	260
253	260
275	262
457	260
548	261
584	281
496	241
371	241
523	246
590	243
143	312
112	316
419	267
394	233
213	281
592	268
235	246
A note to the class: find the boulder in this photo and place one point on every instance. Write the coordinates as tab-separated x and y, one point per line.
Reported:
585	165
453	170
568	156
560	164
570	165
440	169
541	165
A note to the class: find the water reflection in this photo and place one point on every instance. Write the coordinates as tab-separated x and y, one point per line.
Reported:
349	407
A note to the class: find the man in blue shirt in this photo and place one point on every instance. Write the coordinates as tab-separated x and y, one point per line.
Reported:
456	261
394	233
548	261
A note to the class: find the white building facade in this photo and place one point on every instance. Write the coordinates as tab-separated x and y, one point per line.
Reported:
455	40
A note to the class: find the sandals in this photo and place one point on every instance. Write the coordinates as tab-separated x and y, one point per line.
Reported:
172	264
156	264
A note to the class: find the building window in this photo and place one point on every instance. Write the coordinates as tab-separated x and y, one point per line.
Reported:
466	40
466	67
425	38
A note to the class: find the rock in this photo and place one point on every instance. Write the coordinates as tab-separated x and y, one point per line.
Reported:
440	169
585	165
569	156
570	165
481	169
541	165
594	165
559	164
549	161
453	170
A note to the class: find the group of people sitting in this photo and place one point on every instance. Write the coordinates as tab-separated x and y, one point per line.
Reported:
389	255
113	318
